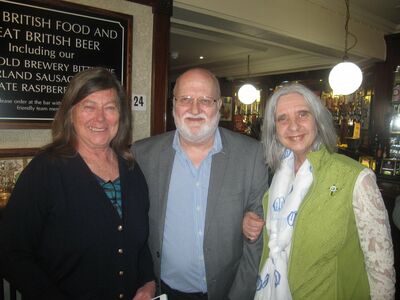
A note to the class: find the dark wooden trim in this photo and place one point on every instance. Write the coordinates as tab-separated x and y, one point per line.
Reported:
144	2
162	7
160	67
25	125
18	152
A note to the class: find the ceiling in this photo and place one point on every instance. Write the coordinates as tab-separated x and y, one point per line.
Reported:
227	46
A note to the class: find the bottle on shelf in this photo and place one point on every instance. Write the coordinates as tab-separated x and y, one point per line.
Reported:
378	153
375	144
396	85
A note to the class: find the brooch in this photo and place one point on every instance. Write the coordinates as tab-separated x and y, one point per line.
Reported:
333	189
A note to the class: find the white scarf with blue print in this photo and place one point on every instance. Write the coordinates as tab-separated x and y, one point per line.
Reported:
286	193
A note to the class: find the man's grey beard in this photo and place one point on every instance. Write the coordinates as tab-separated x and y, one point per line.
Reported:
206	131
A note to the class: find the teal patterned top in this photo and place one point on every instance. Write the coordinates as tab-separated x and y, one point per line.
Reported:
113	192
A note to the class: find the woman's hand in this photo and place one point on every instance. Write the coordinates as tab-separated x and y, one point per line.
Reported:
252	226
146	292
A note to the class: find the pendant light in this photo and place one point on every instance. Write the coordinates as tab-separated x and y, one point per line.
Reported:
247	92
346	77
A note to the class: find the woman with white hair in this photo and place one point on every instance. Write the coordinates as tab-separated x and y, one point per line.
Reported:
326	229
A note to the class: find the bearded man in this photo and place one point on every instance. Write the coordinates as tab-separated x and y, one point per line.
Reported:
202	179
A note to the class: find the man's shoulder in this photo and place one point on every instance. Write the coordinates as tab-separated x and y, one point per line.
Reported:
154	142
235	138
159	138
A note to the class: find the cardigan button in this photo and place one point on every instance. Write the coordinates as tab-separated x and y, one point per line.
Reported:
121	273
120	296
120	251
119	228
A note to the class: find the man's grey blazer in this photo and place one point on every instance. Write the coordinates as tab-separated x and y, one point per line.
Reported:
238	181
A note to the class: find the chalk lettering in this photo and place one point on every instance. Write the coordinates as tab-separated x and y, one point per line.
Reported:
42	88
53	78
22	19
77	68
29	108
8	86
11	33
44	65
108	33
9	62
75	28
25	49
47	38
87	44
23	75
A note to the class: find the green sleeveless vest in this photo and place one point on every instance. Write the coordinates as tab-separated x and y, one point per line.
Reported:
326	260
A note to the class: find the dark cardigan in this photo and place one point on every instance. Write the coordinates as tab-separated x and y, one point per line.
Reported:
61	238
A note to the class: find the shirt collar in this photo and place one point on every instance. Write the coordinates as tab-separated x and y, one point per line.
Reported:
217	145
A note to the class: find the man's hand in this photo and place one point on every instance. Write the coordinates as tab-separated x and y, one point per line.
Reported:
252	225
146	292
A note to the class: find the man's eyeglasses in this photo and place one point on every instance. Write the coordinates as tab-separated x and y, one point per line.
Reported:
188	100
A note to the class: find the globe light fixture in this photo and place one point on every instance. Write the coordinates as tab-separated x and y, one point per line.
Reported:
247	93
346	77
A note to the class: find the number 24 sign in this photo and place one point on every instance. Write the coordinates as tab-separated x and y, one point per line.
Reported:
139	102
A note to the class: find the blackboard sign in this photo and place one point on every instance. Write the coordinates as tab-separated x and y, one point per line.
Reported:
43	44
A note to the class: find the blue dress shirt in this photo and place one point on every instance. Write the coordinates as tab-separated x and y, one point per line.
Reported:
182	261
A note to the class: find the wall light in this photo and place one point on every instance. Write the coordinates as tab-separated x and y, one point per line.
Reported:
346	77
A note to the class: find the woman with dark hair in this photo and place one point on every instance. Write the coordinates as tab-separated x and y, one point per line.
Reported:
326	233
76	225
